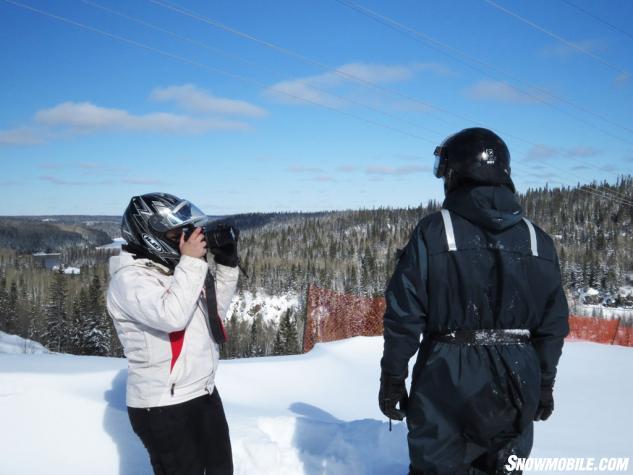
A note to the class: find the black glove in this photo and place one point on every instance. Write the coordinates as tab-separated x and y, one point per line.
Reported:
222	243
392	392
546	404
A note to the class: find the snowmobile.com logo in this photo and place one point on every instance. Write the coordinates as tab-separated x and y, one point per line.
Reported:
567	464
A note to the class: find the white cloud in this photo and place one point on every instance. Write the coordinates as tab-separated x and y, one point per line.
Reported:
142	181
21	136
64	182
498	91
315	88
303	169
545	152
346	168
192	98
541	152
323	178
299	91
405	170
622	79
87	117
582	152
561	50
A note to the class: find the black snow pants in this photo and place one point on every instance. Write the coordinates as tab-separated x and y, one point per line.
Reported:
190	438
471	407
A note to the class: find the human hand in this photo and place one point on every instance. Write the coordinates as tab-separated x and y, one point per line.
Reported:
392	392
546	404
195	246
222	241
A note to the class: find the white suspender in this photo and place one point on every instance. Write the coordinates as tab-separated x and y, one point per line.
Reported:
448	227
450	234
533	244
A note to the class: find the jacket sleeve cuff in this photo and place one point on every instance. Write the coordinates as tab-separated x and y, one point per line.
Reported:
193	263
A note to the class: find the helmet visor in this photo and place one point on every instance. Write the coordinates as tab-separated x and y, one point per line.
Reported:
182	214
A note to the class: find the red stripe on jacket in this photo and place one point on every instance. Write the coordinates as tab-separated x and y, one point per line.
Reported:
176	339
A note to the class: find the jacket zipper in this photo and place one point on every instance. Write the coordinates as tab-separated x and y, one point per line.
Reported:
172	388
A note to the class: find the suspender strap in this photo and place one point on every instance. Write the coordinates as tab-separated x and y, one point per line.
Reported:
448	227
533	244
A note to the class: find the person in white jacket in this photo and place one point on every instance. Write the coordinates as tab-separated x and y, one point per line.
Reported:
167	309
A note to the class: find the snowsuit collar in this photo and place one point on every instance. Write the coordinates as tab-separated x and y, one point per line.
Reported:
125	259
490	206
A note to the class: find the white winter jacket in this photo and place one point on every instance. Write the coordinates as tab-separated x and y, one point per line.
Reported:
161	319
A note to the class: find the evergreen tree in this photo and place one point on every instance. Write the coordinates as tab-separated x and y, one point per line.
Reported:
254	346
287	339
11	323
95	331
56	335
278	345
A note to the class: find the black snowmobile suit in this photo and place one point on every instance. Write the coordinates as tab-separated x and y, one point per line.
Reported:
481	267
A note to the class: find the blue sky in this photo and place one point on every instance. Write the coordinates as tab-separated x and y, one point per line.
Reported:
88	120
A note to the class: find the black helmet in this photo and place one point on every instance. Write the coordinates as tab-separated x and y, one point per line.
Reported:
473	155
148	218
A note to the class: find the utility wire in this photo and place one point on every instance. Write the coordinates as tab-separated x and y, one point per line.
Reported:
207	67
256	65
597	18
215	70
189	13
418	35
233	56
306	59
486	69
557	37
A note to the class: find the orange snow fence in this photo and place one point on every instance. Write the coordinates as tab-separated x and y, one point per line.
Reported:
335	316
600	330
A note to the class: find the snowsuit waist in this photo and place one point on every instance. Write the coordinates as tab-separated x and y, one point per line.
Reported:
483	337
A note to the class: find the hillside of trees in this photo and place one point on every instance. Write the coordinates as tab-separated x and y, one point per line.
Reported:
354	251
28	235
348	251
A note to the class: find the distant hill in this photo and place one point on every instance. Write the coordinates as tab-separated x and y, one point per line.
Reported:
27	235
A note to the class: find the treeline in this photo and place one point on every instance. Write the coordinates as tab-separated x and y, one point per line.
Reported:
354	251
348	251
248	338
64	312
28	235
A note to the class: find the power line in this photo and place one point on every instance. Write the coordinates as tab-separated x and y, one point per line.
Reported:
486	68
252	63
233	56
214	23
215	70
597	18
305	59
557	37
205	66
418	35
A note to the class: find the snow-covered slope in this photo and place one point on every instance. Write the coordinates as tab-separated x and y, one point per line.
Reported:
15	344
307	414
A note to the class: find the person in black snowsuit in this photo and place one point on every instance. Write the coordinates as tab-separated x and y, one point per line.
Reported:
482	285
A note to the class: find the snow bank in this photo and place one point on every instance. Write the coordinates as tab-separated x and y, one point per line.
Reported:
270	308
15	344
306	414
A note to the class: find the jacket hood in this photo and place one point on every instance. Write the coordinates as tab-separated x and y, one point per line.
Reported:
490	206
125	259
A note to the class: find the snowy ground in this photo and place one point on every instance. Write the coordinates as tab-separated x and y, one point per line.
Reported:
15	344
309	414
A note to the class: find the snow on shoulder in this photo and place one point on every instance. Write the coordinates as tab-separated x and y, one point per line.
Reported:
304	414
